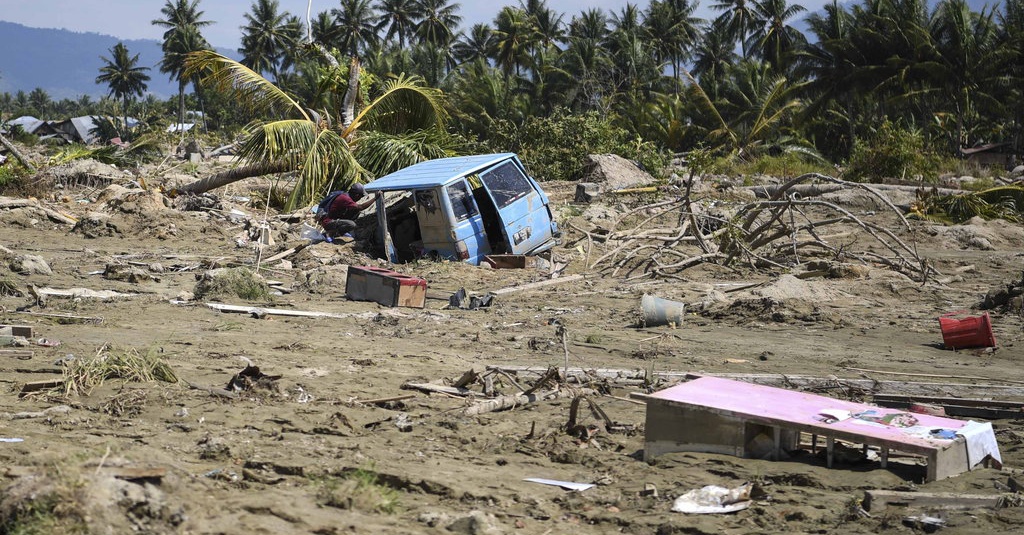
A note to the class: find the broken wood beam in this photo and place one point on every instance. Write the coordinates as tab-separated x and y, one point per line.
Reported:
535	285
968	408
83	293
380	401
879	500
21	354
38	386
512	401
285	254
440	389
279	311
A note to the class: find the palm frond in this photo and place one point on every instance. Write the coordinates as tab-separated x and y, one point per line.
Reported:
327	163
244	85
287	140
381	153
405	105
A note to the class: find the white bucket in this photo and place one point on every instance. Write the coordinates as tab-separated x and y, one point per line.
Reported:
658	311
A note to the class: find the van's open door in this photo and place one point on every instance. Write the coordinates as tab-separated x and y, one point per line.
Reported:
522	207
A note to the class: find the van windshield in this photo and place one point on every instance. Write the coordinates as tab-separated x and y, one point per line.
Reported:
506	183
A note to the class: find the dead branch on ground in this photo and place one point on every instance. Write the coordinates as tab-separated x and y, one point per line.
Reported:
662	239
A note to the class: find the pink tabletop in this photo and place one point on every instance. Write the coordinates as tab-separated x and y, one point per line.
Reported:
780	406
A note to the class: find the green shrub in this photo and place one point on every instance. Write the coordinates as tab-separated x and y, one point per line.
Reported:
893	152
783	165
554	147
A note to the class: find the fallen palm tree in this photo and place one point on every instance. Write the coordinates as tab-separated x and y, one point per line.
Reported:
666	237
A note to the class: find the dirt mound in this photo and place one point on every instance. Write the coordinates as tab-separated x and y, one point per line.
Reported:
977	234
88	173
611	172
97	225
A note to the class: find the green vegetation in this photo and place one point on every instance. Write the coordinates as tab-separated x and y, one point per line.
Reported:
1005	202
43	514
359	490
893	152
555	147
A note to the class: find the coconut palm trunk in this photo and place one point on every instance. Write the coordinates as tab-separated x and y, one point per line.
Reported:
17	154
234	175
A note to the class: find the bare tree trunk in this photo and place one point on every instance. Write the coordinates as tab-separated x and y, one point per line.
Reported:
17	154
349	104
234	175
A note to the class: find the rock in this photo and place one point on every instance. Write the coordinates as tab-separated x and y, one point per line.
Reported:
1017	171
611	172
587	192
96	225
121	272
433	519
214	448
30	265
476	523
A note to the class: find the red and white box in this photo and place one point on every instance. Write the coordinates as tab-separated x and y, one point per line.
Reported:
389	288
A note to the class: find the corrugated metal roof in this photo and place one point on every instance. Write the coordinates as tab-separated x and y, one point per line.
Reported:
433	173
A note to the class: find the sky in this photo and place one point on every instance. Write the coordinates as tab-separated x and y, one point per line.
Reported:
131	19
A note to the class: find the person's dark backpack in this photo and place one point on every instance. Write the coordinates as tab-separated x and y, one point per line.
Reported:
325	205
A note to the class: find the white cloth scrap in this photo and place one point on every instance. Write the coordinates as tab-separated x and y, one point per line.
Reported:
981	442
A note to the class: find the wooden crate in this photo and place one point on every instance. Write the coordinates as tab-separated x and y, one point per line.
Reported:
389	288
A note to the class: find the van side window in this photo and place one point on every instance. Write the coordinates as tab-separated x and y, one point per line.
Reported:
506	184
462	202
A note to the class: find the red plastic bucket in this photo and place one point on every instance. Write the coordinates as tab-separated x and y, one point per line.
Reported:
972	331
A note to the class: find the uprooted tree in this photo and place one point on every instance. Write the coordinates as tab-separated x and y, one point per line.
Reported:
664	238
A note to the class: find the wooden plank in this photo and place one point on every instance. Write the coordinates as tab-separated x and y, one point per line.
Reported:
83	293
793	382
879	500
967	408
24	331
21	354
441	389
277	311
36	386
538	284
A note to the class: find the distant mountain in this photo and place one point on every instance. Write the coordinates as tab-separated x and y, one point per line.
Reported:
65	64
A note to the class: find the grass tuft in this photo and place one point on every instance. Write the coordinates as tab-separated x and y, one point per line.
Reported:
81	376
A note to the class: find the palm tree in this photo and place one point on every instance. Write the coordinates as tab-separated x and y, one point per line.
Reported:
476	45
356	26
398	18
265	37
123	77
183	21
774	39
673	29
513	35
970	63
737	20
591	24
400	126
41	101
714	51
436	32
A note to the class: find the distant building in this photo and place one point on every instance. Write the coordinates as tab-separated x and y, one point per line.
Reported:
991	155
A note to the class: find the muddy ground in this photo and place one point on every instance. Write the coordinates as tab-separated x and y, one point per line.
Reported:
299	452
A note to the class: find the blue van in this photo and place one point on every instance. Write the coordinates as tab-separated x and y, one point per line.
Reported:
464	208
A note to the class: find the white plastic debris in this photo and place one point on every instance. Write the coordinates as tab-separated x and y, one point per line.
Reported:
713	499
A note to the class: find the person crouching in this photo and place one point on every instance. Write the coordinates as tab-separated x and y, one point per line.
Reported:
338	214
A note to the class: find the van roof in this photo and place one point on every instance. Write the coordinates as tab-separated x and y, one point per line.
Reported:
437	172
